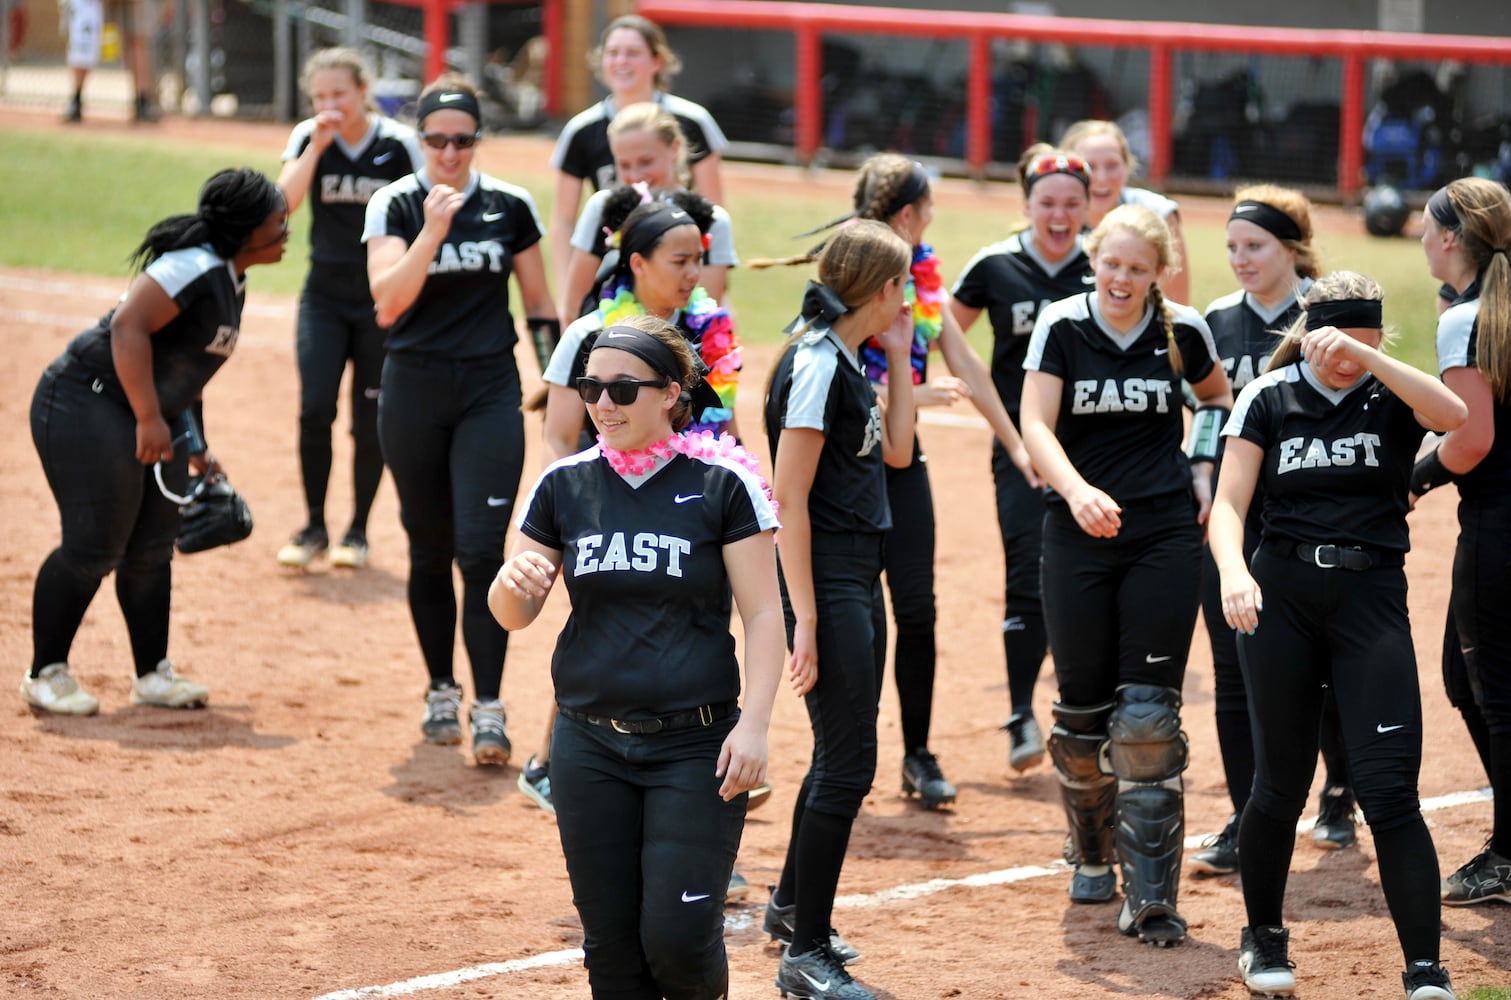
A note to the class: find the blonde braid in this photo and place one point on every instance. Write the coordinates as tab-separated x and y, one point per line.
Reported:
882	176
1167	321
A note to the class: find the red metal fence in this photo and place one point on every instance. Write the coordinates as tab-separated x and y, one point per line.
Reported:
809	21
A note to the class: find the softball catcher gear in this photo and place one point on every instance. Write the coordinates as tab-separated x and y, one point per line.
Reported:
1075	743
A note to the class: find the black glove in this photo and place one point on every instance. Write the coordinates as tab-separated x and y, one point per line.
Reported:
216	516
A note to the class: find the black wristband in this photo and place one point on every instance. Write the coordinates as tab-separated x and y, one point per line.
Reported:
194	419
1429	473
545	334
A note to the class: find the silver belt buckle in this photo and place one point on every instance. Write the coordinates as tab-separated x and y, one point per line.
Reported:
1317	557
618	727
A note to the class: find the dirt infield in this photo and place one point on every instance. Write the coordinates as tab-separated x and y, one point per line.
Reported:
297	839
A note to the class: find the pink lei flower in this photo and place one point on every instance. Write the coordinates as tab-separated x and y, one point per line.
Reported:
694	444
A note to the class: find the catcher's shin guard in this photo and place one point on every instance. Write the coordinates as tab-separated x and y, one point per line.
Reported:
1075	743
1147	752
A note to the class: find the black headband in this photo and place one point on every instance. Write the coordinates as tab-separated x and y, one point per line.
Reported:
640	236
1267	217
1440	206
647	347
449	100
1345	314
915	187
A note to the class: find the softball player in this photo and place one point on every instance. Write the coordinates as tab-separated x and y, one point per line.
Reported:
636	64
660	244
1466	233
1110	159
829	440
649	152
1330	432
111	408
86	28
340	156
1012	281
1102	419
441	245
653	756
1270	251
895	190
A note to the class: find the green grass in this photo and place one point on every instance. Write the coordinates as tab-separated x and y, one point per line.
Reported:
81	201
1489	993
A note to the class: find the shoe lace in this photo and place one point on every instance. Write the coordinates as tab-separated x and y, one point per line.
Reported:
443	702
1271	952
927	766
488	719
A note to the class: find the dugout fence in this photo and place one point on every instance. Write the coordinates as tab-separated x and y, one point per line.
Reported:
1205	104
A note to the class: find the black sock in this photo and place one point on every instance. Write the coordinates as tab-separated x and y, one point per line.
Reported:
1235	741
144	598
1264	859
483	637
786	885
1500	780
1330	742
822	842
367	473
913	668
1025	642
432	604
59	599
1409	876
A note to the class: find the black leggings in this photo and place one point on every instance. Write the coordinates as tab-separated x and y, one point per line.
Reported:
333	330
649	846
1348	630
1020	519
909	561
454	437
1235	734
114	519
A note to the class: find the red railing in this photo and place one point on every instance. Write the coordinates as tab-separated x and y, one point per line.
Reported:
809	21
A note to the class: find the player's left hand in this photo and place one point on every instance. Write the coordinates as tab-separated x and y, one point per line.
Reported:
942	391
1242	601
742	760
1201	486
898	338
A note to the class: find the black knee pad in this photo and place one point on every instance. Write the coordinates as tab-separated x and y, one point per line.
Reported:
1145	742
1088	794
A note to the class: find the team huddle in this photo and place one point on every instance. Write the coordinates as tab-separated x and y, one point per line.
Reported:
1256	462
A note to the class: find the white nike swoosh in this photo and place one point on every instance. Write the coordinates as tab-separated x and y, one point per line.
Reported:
611	336
1158	351
1243	208
498	501
448	98
1151	658
1389	729
383	158
1088	279
692	899
822	987
492	216
679	498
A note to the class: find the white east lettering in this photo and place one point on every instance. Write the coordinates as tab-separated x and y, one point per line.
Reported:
675	548
586	563
469	255
1023	318
1135	400
614	553
1315	453
348	189
1109	401
645	552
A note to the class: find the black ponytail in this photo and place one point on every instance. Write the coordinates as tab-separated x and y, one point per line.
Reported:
232	204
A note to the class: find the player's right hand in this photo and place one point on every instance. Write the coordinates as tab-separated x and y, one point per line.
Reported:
1095	512
327	124
154	442
441	206
1242	601
802	667
528	576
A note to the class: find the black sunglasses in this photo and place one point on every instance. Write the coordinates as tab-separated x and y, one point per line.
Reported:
622	391
440	140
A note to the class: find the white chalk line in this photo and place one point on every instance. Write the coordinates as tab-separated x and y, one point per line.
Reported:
744	920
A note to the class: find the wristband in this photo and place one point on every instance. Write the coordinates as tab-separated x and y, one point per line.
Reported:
1429	473
545	334
1206	433
194	422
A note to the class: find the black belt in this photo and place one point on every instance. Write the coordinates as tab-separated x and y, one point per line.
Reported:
703	715
1350	557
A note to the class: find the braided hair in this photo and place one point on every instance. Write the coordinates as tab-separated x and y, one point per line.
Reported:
232	204
887	183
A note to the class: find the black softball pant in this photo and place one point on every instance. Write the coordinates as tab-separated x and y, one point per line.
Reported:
908	558
1235	733
1020	519
649	846
115	519
454	437
1121	610
852	651
332	330
1348	630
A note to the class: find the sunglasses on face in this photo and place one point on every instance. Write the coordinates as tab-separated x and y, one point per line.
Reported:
1072	165
440	140
622	391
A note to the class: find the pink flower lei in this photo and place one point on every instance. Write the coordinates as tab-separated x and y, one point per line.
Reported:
694	444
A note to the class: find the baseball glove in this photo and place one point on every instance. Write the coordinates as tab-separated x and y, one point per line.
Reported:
217	515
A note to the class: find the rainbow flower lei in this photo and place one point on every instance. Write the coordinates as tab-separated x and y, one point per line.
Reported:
712	334
925	293
694	444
